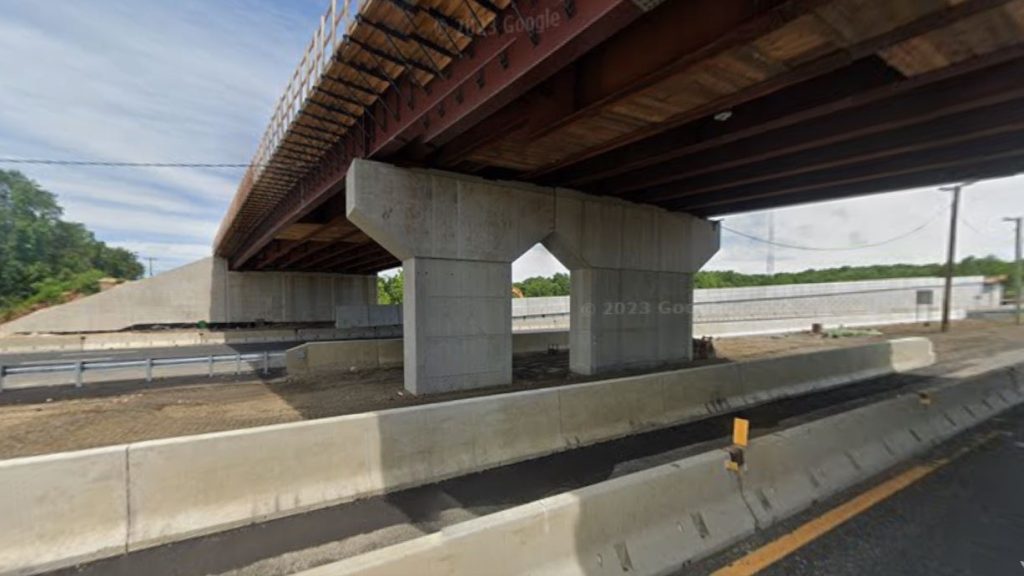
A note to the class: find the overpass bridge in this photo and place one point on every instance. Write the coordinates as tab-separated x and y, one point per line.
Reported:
450	136
700	106
453	135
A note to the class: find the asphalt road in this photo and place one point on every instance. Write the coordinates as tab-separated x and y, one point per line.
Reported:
966	517
65	356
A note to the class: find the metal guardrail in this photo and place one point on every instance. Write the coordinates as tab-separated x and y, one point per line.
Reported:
79	368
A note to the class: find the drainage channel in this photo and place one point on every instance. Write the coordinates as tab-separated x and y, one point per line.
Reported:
291	544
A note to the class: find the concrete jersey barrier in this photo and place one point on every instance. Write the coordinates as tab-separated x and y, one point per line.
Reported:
178	488
655	521
61	509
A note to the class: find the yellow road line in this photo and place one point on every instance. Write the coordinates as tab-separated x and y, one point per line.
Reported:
774	551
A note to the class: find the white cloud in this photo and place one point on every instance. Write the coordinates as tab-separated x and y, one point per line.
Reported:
138	223
874	219
536	262
129	80
166	255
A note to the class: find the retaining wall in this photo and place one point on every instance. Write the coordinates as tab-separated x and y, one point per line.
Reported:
655	521
171	489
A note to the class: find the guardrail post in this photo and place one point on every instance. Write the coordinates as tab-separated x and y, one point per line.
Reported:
2	370
238	364
149	369
79	368
266	362
209	365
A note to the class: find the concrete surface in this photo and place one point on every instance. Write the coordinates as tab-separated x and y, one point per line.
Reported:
353	355
204	291
657	520
632	280
367	316
458	327
183	487
188	486
61	509
795	307
860	302
358	355
457	237
579	532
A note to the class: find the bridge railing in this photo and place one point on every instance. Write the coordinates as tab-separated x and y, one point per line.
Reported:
315	61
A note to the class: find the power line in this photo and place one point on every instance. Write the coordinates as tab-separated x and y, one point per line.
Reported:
989	235
843	248
121	164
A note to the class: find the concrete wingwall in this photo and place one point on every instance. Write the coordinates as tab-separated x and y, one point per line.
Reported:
90	504
204	291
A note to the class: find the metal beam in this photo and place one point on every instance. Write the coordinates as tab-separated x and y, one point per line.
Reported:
464	98
941	134
969	169
959	155
903	112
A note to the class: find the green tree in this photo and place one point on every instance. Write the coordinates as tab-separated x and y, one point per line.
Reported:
558	285
537	286
42	257
389	288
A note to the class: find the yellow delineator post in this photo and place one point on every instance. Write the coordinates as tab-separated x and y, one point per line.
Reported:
740	432
740	439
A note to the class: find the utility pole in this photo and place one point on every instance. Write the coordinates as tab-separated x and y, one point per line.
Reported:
150	258
770	264
1016	268
951	255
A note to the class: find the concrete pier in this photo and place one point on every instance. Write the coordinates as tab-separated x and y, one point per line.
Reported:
632	280
457	236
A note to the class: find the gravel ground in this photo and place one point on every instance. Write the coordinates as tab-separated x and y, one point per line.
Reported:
67	419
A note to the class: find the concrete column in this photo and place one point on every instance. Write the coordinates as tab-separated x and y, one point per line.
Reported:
632	280
458	324
629	319
456	237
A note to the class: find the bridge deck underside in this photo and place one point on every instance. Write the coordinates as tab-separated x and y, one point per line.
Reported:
703	106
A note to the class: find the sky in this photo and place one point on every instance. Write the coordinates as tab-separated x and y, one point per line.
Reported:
196	81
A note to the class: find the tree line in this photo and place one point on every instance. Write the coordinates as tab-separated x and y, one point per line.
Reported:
390	287
45	260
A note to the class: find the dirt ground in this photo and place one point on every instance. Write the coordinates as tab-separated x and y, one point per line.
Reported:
55	420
